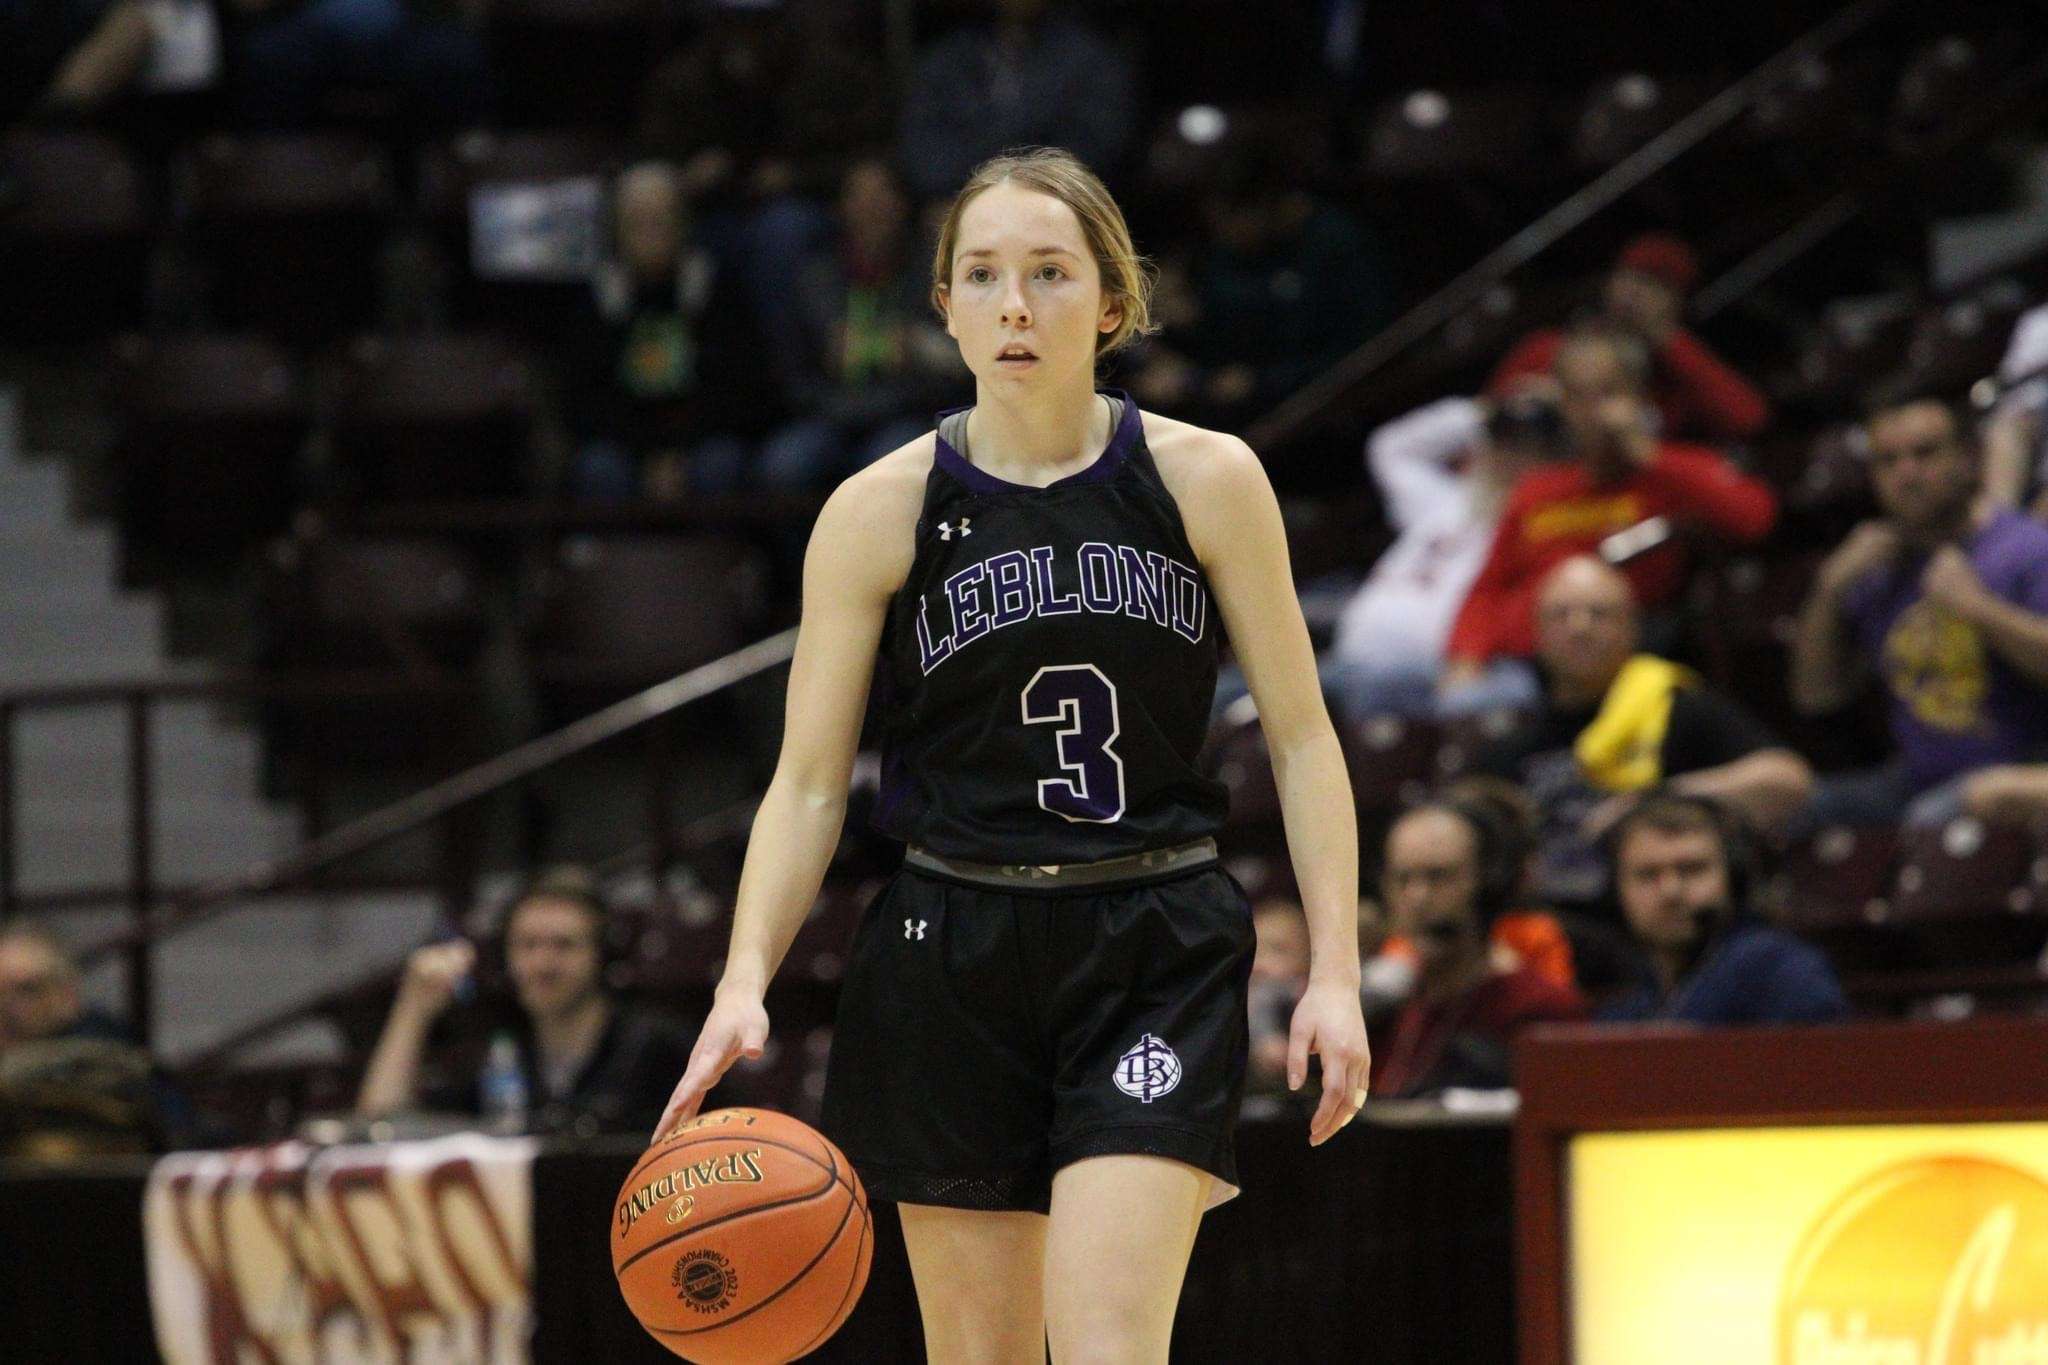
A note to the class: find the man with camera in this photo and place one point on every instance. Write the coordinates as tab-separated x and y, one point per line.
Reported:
1622	494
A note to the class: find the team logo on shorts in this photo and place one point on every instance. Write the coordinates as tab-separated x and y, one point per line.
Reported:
1148	1070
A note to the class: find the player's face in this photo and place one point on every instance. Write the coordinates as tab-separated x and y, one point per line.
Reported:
1025	299
551	952
1671	882
1431	880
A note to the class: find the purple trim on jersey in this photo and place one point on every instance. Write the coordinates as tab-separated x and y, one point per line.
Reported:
980	480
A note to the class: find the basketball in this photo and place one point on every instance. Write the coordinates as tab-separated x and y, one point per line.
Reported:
742	1236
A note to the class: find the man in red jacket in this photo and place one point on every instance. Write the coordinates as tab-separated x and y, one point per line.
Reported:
1607	500
1696	392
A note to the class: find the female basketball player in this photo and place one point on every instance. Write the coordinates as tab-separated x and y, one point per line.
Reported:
1042	1035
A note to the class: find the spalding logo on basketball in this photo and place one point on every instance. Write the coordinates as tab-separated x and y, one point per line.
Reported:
741	1236
1148	1070
1934	1261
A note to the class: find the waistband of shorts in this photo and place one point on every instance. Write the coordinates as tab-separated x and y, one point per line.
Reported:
1135	867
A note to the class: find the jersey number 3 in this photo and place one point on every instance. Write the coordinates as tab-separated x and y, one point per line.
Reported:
1082	702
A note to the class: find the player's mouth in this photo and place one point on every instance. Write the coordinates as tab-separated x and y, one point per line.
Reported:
1015	357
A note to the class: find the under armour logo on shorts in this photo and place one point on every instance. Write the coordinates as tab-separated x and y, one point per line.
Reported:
914	928
1148	1070
947	528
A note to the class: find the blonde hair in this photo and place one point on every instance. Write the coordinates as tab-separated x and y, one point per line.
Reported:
1127	277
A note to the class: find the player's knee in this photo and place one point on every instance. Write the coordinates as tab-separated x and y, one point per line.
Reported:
1113	1330
985	1335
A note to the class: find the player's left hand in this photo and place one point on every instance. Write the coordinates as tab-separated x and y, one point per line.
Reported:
1329	1023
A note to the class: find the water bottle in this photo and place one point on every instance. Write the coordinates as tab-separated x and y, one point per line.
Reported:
503	1087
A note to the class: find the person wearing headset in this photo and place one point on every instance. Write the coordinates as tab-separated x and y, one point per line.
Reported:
1683	869
580	1061
1452	868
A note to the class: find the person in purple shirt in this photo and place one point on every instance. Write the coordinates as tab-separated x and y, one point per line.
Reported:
1945	597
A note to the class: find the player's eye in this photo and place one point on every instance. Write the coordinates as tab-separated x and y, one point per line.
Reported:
1050	272
980	274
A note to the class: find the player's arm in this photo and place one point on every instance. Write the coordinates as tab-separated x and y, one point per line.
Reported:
1233	523
859	553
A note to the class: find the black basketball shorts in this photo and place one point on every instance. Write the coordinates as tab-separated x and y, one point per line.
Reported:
988	1037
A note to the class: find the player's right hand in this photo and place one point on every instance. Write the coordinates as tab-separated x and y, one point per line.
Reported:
736	1027
432	975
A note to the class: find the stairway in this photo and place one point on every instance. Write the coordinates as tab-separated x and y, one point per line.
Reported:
64	620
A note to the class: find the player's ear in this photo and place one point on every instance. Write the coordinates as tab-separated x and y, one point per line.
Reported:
1112	314
942	300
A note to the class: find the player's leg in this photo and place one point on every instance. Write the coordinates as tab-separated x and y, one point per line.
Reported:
980	1280
1116	1251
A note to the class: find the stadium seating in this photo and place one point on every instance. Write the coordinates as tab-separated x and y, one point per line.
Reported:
431	417
409	611
575	61
289	228
622	612
210	440
1971	894
76	205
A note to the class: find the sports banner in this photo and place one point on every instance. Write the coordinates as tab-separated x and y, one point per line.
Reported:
1847	1245
413	1251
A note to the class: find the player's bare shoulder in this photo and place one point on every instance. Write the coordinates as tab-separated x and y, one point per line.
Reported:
868	526
1209	473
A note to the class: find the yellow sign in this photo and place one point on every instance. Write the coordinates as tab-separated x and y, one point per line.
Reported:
1919	1245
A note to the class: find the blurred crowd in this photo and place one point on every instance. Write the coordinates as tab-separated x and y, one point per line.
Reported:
1604	852
1666	686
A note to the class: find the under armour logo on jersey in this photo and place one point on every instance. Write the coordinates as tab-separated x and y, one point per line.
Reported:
1148	1070
914	928
947	528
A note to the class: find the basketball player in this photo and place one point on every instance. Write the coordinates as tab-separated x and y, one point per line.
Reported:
1042	1033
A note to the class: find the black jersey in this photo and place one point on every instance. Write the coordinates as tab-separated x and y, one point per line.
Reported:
1048	665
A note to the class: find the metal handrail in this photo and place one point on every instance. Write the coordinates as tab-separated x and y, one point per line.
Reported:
1312	403
380	827
1894	175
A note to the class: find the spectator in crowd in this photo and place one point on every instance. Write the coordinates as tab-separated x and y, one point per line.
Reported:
870	362
585	1063
666	387
1279	976
73	1082
1283	286
1616	721
1444	472
1519	936
1452	869
2016	428
1029	75
768	101
1697	395
286	57
1682	872
763	115
1945	598
1623	494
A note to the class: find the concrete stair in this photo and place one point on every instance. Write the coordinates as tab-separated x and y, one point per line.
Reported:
64	620
269	955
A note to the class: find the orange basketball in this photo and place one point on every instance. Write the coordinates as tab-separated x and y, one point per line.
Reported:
741	1236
